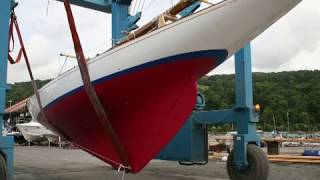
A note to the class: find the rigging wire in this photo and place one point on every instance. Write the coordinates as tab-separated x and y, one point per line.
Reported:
62	67
59	63
104	44
142	5
138	6
150	4
133	6
87	51
171	3
47	9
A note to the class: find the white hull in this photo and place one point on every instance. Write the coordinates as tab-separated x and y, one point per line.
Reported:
52	138
228	26
34	131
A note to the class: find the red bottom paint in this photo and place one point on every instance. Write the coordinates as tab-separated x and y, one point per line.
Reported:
147	107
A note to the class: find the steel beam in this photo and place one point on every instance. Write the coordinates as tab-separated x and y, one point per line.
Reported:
214	117
244	95
189	146
5	7
190	9
122	21
6	143
246	116
98	5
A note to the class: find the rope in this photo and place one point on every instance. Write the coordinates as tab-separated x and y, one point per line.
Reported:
64	63
89	88
99	46
149	5
121	166
132	6
47	9
142	5
137	6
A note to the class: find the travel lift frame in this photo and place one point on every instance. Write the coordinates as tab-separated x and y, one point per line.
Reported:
190	146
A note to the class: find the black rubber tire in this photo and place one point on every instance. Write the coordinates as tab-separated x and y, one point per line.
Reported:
3	168
258	168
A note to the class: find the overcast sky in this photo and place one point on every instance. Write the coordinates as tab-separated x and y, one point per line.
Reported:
293	43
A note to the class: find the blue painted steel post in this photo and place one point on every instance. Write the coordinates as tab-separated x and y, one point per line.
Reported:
5	7
6	143
246	117
244	95
186	12
122	21
120	13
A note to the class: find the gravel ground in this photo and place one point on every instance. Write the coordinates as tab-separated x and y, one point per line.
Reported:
58	164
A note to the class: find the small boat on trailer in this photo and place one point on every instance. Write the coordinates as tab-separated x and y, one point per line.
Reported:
33	131
147	84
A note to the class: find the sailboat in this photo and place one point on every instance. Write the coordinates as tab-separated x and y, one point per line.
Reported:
148	82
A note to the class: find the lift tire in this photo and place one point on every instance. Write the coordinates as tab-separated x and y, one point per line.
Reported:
3	168
258	168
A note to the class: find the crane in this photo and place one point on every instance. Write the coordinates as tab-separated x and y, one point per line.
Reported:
242	114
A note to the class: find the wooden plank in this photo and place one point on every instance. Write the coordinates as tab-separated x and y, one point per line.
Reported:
296	161
293	157
314	140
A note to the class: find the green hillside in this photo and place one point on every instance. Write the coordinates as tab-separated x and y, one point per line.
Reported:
296	94
22	90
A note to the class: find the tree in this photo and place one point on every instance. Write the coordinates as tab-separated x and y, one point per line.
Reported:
298	91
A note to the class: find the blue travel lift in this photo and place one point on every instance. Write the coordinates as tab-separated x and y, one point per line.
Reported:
6	143
190	146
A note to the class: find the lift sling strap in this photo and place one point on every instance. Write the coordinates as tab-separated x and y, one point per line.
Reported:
14	23
22	52
91	92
